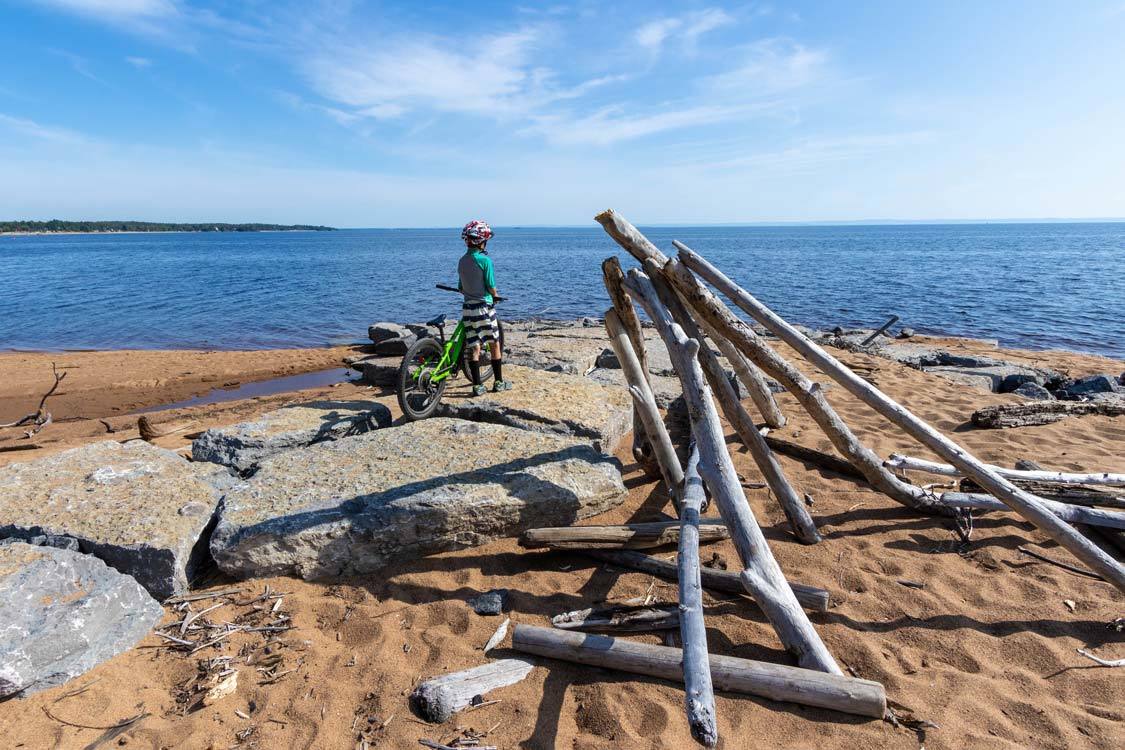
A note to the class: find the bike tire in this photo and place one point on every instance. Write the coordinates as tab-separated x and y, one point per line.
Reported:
417	404
485	359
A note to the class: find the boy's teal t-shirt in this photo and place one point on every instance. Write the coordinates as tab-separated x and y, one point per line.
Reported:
476	276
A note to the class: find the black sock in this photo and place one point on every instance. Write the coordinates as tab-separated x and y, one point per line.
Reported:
474	369
496	369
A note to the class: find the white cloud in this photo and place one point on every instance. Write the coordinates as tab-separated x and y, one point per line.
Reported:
771	66
115	8
608	126
32	129
139	62
813	153
687	28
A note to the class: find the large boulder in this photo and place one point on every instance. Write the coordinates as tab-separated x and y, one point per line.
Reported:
548	402
379	332
63	613
141	509
242	446
1090	385
999	378
376	370
353	506
573	355
1034	391
664	388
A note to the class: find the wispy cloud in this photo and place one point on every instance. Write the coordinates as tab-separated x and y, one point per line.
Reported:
119	9
139	62
770	66
611	125
32	129
687	28
78	64
808	154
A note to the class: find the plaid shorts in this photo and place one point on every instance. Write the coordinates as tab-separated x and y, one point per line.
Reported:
480	323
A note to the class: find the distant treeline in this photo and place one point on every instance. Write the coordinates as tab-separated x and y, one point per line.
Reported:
56	225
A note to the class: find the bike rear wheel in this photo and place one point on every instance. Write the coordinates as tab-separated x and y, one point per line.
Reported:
485	358
418	396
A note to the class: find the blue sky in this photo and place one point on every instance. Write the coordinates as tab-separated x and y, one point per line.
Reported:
423	114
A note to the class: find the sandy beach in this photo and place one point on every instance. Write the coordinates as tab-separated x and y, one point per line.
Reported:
983	651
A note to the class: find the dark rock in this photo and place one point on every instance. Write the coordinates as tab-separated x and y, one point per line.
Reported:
62	613
378	370
1011	382
379	332
490	602
1033	391
906	333
395	347
1089	385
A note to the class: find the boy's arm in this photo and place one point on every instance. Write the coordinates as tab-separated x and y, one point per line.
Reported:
489	277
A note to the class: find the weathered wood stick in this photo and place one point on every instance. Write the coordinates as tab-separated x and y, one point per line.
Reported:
815	457
628	536
1070	513
660	446
750	376
810	597
761	574
436	699
1027	505
716	378
774	681
638	619
908	463
613	278
809	394
1071	494
999	416
699	693
879	332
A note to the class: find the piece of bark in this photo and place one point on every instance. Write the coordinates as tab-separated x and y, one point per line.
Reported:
773	681
909	463
1000	416
628	536
699	693
438	698
626	619
811	598
761	574
1027	505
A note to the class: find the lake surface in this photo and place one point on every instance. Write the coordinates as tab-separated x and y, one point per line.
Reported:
1028	285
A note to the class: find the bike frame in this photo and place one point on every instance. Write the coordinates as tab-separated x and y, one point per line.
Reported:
450	354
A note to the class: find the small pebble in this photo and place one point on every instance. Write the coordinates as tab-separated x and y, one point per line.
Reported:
490	602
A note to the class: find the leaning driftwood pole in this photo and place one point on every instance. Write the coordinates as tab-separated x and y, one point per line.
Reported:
774	681
644	402
1070	513
643	448
699	695
627	536
908	463
791	503
439	698
1027	505
750	376
809	394
761	575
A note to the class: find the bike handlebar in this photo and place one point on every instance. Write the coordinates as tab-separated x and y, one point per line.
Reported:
458	291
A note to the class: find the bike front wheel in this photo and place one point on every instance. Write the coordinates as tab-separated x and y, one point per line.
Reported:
418	395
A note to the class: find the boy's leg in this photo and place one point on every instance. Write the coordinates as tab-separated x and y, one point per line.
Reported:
494	350
474	363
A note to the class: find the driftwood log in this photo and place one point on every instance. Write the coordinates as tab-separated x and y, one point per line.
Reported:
699	693
1069	513
908	463
613	278
634	619
1072	494
1027	505
811	598
773	681
761	574
1000	416
437	699
628	536
657	442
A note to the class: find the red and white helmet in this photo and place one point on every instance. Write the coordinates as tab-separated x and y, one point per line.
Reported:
476	232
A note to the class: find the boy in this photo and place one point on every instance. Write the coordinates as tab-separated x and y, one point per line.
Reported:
477	283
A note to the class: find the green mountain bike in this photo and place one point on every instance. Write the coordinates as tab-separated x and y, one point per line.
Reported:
432	362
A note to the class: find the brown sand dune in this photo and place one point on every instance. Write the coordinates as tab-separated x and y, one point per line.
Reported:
985	651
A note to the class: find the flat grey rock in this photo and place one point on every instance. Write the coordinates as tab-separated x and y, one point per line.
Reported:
994	375
352	507
964	376
377	370
1090	385
63	613
664	388
378	332
554	403
141	509
1034	391
242	446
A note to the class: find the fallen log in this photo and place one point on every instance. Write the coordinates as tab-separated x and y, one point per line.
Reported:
437	699
773	681
761	574
749	375
628	536
657	442
1027	505
699	693
999	416
908	463
810	597
1069	513
636	619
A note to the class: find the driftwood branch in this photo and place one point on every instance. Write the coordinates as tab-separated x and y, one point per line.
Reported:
761	575
908	463
628	536
634	619
39	418
1027	505
750	376
1069	513
437	699
999	416
772	681
811	598
1100	660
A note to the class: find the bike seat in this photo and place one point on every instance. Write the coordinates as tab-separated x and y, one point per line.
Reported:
437	322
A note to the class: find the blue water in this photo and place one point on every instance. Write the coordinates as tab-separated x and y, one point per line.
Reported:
1028	285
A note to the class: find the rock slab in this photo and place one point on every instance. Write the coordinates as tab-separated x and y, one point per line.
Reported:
548	402
141	509
354	506
242	446
63	613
